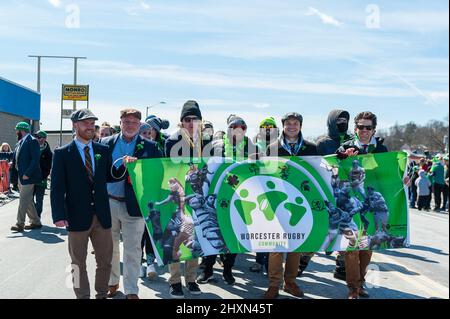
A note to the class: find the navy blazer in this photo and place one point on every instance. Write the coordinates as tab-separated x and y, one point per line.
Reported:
149	149
72	196
28	161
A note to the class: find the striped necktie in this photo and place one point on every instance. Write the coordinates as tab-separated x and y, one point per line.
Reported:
88	163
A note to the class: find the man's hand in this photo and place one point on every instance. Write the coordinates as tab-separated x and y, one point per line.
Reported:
351	152
129	159
62	223
25	177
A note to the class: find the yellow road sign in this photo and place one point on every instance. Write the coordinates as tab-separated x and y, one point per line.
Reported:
75	92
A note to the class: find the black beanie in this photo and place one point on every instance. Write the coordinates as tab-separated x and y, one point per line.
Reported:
190	108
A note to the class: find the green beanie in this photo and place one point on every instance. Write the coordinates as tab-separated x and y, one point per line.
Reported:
23	126
268	121
42	134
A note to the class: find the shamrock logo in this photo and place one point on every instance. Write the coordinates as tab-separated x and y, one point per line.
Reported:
97	157
140	146
233	181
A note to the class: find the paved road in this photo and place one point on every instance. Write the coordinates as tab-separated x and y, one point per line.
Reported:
35	265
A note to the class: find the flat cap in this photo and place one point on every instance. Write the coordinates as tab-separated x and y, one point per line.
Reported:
83	114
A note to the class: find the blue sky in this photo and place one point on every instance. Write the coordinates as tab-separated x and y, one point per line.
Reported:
255	58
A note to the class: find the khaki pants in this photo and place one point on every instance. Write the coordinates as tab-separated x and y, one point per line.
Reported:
276	268
132	229
78	246
356	263
190	271
26	206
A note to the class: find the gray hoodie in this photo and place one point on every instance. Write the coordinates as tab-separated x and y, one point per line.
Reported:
329	144
423	184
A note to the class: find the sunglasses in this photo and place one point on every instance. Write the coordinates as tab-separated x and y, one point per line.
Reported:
267	126
366	127
190	119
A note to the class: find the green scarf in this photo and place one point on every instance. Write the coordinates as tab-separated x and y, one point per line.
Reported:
232	151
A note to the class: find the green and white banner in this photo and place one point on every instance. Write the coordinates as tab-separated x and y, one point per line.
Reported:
278	204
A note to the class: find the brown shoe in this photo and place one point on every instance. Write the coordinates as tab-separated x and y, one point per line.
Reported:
272	293
132	296
293	289
18	229
353	293
112	290
33	226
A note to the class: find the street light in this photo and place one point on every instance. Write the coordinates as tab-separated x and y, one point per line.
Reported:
149	107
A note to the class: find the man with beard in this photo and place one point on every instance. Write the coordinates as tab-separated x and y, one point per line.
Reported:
79	201
26	162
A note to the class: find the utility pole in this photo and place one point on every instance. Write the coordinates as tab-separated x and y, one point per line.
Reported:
75	71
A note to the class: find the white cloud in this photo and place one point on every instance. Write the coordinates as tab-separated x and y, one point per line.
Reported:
240	80
439	97
326	19
55	3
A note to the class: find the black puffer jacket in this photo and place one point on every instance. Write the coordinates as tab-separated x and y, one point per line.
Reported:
329	144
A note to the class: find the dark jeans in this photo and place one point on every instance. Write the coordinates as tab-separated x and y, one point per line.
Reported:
262	259
39	192
438	192
412	196
228	262
444	203
423	202
147	244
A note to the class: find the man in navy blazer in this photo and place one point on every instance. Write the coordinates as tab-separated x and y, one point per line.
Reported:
126	215
26	162
79	201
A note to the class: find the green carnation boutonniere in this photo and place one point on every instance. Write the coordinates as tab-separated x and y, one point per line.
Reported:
97	157
140	146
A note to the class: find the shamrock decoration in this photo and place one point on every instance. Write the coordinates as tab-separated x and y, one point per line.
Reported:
224	203
98	157
305	186
233	181
318	205
284	172
254	169
140	146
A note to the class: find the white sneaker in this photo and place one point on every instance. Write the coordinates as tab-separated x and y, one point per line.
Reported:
143	271
151	272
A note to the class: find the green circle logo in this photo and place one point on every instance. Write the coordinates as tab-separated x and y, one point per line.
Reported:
272	205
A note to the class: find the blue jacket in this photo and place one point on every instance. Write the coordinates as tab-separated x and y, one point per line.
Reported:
72	196
148	150
27	159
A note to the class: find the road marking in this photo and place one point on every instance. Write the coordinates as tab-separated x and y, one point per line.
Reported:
432	216
420	282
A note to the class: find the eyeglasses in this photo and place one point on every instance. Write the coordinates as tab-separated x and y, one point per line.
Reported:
190	119
366	127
